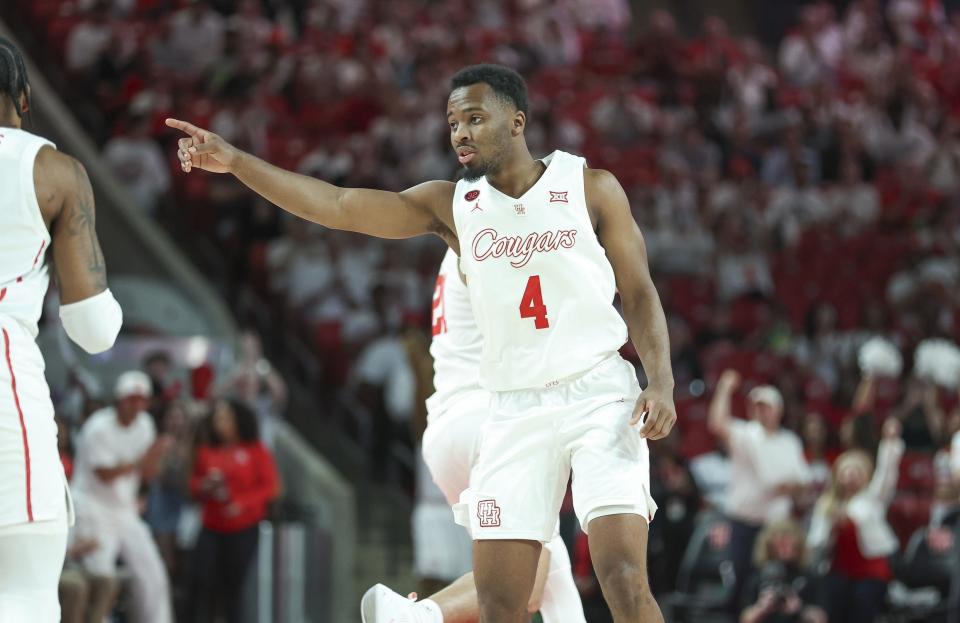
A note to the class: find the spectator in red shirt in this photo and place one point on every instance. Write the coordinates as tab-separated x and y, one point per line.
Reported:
235	478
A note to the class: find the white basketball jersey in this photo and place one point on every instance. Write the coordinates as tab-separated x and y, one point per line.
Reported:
24	238
457	344
540	284
31	475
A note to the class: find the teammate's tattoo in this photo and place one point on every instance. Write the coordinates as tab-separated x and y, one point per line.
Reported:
82	222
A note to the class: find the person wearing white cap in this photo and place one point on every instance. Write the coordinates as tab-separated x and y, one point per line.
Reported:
118	448
768	469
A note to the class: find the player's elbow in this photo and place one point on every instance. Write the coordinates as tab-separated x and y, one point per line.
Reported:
93	323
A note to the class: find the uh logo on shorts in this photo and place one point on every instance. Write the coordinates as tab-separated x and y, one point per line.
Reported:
488	513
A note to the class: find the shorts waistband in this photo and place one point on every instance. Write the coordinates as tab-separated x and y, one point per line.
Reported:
578	375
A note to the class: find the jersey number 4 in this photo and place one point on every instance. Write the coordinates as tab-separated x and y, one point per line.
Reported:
531	305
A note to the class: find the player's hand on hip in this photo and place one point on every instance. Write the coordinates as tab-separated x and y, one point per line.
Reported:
655	412
203	149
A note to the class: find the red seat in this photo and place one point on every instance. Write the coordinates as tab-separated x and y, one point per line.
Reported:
916	473
908	513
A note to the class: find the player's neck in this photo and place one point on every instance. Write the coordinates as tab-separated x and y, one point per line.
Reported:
518	173
8	116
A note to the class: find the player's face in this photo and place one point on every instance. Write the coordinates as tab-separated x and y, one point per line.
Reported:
480	129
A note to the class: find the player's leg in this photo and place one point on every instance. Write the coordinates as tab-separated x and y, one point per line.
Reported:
554	595
448	449
611	476
30	565
618	546
504	572
516	488
560	601
151	587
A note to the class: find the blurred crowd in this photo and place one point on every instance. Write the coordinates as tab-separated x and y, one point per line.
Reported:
171	473
797	201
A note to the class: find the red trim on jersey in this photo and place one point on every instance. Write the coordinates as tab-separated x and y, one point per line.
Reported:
23	427
43	245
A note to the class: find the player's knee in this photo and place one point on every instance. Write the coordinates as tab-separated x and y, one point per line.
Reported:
503	605
625	585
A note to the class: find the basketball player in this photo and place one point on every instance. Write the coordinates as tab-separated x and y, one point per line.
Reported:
544	245
455	414
45	200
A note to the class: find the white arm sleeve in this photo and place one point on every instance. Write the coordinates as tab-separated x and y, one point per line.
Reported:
94	322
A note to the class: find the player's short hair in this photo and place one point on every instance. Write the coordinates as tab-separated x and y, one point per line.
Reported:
505	82
13	74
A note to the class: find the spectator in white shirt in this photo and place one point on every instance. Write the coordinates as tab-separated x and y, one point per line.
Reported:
116	449
90	39
794	209
139	164
768	469
197	35
854	204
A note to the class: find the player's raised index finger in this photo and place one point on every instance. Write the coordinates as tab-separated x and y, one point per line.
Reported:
184	126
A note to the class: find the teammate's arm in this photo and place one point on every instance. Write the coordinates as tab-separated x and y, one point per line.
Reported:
426	208
625	247
90	315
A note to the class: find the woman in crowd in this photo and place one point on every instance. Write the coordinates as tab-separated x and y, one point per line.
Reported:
235	478
167	492
849	529
781	590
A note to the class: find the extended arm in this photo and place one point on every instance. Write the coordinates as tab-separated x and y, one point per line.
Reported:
719	416
426	208
883	484
623	242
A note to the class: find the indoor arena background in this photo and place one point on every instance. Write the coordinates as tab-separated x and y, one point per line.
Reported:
794	167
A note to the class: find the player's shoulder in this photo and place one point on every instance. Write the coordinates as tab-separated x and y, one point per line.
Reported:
603	193
600	180
53	162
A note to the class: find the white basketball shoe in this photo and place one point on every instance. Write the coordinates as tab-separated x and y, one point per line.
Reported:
382	605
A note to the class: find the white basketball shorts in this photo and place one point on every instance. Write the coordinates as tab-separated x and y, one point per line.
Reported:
451	440
442	550
31	558
535	438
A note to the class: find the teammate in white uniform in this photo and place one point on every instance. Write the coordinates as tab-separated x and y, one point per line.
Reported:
45	200
456	412
545	244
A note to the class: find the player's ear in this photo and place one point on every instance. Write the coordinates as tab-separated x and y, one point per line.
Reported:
25	101
519	122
